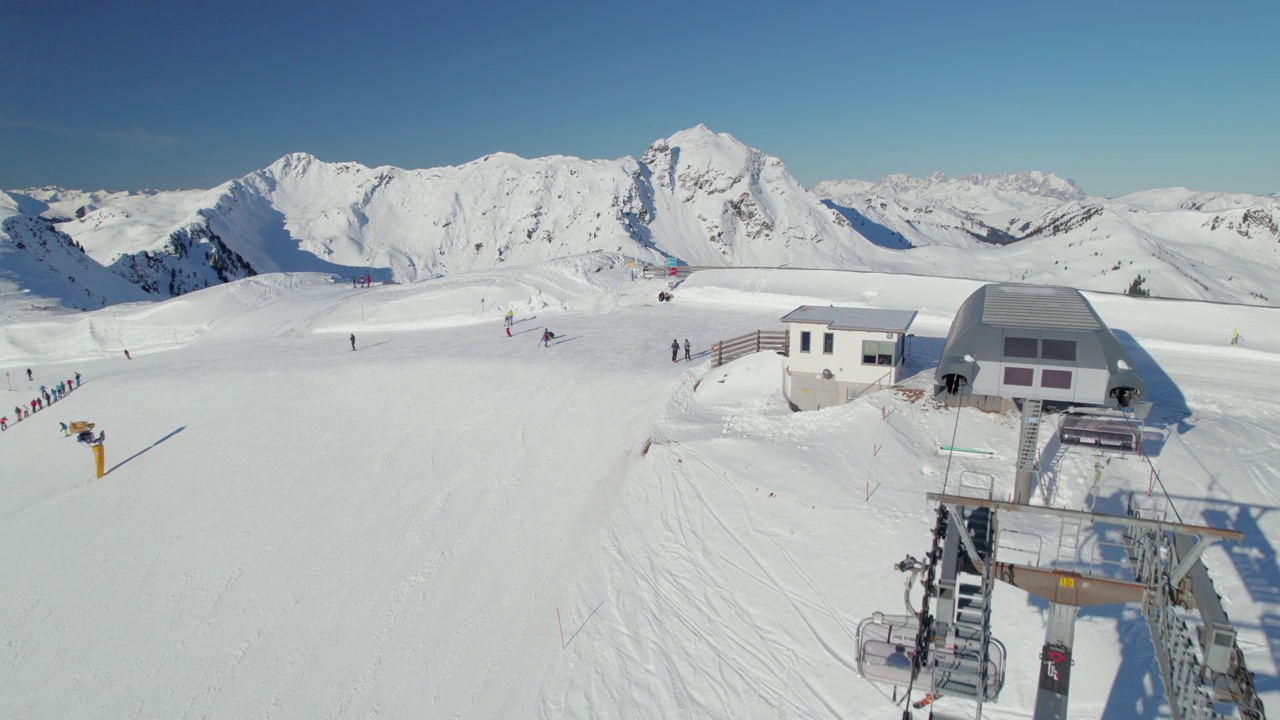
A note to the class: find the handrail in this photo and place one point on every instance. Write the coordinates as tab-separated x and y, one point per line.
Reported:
752	342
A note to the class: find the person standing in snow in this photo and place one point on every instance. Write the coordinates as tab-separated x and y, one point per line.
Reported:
508	331
368	281
4	423
547	337
511	315
127	356
686	349
353	342
28	374
77	379
675	349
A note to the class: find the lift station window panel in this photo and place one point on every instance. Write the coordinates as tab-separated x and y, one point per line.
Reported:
1024	377
1058	350
1018	347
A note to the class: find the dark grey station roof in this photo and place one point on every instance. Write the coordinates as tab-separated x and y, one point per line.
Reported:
1037	306
849	318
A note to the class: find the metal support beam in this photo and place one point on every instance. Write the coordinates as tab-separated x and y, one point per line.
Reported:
1069	588
1190	558
1134	522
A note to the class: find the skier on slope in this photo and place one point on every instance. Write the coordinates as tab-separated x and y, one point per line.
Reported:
686	349
547	337
675	349
28	374
353	341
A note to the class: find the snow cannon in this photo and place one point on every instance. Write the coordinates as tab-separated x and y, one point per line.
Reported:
84	434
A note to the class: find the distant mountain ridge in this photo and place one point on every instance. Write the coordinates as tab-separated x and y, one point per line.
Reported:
1171	242
699	196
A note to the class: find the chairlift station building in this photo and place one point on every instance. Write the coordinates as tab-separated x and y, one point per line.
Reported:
835	353
1039	342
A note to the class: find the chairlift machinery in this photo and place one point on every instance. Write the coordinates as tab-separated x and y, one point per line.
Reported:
1011	341
954	655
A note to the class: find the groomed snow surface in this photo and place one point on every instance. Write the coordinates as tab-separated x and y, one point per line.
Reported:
451	523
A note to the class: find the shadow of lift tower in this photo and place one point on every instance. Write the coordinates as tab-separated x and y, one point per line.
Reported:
953	654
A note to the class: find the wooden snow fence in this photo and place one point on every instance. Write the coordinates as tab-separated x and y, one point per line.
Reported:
753	342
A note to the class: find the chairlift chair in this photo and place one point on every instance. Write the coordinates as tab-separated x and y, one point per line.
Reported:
1095	427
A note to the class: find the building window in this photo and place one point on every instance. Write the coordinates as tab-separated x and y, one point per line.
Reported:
1059	350
828	343
1057	379
1021	347
1019	376
804	341
877	352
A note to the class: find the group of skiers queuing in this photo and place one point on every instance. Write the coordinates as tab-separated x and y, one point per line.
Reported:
46	397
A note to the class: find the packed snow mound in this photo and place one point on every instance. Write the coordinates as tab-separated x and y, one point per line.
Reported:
467	298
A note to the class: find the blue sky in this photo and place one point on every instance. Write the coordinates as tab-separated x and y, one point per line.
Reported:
1118	96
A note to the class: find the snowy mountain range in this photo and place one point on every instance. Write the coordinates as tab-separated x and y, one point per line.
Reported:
1171	242
699	196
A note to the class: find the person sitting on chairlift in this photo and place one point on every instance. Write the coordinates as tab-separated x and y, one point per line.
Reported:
898	658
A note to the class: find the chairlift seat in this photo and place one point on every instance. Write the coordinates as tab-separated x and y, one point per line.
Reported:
1107	432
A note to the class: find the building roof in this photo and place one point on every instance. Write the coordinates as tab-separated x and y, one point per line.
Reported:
850	318
1008	305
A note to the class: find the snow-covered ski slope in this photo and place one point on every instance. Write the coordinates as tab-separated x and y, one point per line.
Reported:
450	523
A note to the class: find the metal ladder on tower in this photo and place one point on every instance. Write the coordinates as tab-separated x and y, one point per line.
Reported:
1068	552
1028	466
963	670
1174	640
